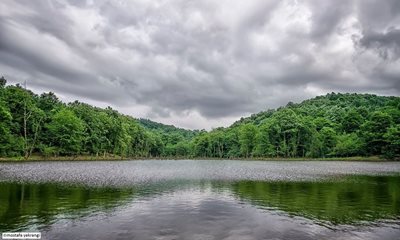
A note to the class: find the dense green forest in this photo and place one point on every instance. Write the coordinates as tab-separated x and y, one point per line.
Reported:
334	125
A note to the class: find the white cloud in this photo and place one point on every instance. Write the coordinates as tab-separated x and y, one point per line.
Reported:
200	64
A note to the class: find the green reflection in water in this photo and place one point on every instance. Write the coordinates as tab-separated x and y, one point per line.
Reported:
346	201
349	200
29	204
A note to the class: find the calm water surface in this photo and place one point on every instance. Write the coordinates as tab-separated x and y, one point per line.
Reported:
201	200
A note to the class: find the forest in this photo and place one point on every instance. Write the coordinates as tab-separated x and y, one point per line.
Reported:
334	125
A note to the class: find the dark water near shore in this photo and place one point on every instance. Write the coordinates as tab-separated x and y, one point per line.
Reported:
201	200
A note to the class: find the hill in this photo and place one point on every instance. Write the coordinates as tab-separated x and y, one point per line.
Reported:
334	125
331	106
167	129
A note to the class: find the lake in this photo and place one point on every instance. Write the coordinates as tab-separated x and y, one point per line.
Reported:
202	199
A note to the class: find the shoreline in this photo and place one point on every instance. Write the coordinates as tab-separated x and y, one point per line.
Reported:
117	158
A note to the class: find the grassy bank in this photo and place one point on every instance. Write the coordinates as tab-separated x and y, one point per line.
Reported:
118	158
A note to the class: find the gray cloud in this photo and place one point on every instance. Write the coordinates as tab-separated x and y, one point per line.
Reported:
386	44
201	64
326	16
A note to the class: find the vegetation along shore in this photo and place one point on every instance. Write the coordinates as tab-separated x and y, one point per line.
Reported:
336	126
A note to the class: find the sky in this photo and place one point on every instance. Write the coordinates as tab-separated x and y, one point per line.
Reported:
200	63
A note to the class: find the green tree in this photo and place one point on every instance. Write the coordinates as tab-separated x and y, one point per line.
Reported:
351	121
169	150
247	137
182	149
67	132
5	133
392	137
48	101
374	130
3	82
201	145
263	146
328	140
156	145
317	148
335	124
123	140
232	142
98	126
348	145
217	143
27	118
32	129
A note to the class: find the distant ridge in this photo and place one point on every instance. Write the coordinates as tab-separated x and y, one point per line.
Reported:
333	125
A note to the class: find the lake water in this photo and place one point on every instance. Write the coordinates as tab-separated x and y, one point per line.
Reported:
201	199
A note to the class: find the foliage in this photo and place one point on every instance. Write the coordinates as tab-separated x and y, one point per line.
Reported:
247	136
342	125
66	132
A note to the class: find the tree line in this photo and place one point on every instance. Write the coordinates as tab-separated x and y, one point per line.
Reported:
334	125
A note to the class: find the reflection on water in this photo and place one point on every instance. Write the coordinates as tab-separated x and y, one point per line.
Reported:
26	204
352	207
351	200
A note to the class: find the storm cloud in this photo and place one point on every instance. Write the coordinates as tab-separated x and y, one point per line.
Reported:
200	64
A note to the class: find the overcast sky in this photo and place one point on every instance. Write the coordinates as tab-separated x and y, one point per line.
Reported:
200	64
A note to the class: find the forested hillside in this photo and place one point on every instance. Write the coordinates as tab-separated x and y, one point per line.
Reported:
168	129
43	125
335	125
